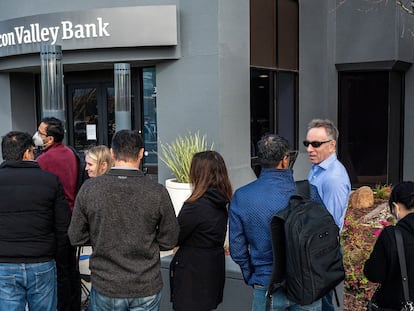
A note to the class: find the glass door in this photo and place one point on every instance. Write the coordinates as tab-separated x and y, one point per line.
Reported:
91	110
91	115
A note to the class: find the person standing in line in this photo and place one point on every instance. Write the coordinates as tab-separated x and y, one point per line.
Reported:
127	218
383	264
34	218
198	268
329	176
251	210
60	160
98	160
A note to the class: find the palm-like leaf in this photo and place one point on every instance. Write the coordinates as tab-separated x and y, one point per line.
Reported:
178	155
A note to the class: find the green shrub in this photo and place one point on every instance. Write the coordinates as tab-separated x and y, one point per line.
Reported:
382	192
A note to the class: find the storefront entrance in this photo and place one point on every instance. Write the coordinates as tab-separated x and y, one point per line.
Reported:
91	110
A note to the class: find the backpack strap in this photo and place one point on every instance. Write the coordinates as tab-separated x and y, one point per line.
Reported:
303	188
403	266
82	175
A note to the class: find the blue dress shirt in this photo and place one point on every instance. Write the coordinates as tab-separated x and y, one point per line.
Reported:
332	181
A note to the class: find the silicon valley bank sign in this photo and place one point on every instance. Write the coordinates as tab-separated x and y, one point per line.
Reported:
101	28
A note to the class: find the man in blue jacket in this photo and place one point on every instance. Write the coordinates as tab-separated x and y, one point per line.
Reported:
34	219
251	211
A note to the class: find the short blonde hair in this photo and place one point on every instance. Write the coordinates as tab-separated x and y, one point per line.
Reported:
100	154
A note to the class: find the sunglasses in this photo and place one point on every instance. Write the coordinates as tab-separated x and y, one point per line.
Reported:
315	144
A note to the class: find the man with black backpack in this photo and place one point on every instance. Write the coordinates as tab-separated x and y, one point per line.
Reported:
251	211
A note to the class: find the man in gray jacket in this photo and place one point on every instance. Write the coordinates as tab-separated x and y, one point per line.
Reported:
128	219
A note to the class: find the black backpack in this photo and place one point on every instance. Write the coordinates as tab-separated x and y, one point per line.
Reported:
306	237
82	174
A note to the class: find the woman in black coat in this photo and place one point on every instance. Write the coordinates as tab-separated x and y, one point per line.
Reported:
383	266
197	270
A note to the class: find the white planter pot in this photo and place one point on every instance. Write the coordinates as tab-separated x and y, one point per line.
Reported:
179	192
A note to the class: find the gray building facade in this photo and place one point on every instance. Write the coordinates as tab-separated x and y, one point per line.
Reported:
233	70
198	83
355	68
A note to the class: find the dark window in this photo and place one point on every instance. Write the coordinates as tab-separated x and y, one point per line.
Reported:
273	107
371	126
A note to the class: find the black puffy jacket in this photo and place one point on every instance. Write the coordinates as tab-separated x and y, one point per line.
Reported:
34	214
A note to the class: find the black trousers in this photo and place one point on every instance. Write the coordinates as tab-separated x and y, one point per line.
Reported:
68	279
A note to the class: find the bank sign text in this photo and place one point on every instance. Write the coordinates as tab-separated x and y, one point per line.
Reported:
35	33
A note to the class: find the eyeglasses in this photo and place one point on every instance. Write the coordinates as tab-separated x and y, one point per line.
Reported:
315	144
292	157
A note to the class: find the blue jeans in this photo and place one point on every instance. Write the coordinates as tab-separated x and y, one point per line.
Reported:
99	302
327	304
279	302
33	284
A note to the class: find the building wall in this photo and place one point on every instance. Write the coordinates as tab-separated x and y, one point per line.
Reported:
5	105
350	32
317	75
210	88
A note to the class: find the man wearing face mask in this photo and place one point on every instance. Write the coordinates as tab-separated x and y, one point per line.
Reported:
56	157
61	161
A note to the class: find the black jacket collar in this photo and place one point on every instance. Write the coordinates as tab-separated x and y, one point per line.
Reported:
125	172
19	164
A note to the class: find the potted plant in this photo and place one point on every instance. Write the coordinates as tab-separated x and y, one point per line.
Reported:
177	156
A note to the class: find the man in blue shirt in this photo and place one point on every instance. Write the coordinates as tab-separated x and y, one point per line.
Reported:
251	211
328	175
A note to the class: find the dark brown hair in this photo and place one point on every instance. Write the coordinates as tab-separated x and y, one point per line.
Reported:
208	170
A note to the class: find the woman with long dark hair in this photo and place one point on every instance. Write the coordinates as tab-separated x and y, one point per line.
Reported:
198	268
383	266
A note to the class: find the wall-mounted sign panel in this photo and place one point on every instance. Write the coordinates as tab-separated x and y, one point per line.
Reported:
100	28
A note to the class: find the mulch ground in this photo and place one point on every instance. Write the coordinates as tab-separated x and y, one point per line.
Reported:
371	215
353	304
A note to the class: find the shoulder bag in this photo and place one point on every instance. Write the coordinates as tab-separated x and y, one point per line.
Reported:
407	305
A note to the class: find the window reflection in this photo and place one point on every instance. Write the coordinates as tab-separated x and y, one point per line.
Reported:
149	109
85	112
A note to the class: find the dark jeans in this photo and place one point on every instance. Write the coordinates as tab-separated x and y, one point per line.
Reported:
327	304
68	280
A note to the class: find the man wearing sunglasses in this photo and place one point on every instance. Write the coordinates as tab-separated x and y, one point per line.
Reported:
328	175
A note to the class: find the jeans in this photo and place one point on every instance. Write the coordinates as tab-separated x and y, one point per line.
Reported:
329	301
327	304
279	301
99	302
33	284
68	279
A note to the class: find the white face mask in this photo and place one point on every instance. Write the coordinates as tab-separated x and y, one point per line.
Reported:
38	140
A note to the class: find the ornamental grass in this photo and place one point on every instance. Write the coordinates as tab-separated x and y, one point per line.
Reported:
178	154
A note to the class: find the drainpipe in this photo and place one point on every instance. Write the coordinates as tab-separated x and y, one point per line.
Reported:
122	85
52	82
